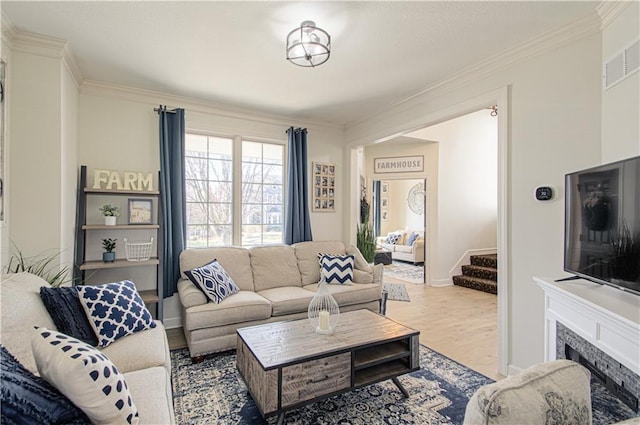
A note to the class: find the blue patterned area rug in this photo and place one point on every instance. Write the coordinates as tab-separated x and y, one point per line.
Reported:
212	392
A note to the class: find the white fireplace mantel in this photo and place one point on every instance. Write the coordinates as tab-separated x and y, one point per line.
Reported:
606	317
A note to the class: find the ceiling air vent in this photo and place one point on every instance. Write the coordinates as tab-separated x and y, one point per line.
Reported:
622	65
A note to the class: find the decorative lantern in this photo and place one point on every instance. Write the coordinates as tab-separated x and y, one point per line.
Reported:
323	310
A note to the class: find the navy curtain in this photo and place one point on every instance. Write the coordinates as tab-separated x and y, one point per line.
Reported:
172	196
297	223
376	207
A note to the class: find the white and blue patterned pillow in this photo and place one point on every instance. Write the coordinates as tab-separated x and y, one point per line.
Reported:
337	269
412	238
213	280
85	376
393	238
114	310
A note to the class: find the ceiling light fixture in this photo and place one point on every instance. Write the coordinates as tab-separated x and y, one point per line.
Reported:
308	45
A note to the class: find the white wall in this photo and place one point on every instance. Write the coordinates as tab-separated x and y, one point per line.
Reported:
554	127
41	140
400	216
621	102
68	162
467	188
5	54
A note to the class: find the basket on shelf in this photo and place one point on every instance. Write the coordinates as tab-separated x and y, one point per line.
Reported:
138	250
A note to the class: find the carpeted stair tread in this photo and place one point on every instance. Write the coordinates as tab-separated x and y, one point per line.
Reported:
486	260
480	272
484	285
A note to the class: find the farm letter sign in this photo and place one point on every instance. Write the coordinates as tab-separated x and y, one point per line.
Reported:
105	179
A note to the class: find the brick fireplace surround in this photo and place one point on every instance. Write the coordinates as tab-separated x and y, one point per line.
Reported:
601	327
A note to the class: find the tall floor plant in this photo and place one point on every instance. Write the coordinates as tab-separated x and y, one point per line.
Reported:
365	238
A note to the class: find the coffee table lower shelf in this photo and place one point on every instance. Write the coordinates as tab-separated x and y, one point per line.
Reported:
280	386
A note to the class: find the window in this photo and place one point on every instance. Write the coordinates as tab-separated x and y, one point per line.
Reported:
222	210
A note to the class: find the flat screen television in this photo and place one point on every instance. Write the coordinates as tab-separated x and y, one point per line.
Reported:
602	224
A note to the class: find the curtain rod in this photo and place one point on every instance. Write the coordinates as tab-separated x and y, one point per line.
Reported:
164	109
295	129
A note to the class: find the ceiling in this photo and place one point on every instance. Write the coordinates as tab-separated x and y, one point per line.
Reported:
233	53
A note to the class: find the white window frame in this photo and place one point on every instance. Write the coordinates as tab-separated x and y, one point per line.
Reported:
236	179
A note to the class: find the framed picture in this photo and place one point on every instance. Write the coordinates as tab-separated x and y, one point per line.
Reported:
385	202
324	187
140	211
385	215
385	187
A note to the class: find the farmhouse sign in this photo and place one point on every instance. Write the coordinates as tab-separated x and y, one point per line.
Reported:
128	180
399	164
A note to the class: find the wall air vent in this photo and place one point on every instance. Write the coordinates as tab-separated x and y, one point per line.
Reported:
622	65
632	58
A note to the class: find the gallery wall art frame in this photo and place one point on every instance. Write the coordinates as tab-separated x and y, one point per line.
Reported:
324	187
140	211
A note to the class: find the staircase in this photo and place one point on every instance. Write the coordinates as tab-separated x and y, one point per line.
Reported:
481	275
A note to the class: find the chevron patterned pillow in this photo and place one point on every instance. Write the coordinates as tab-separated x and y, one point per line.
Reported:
337	269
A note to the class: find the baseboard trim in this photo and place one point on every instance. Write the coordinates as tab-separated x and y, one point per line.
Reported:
513	370
172	323
441	282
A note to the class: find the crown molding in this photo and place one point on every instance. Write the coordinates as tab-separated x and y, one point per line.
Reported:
579	29
8	30
610	10
151	97
41	45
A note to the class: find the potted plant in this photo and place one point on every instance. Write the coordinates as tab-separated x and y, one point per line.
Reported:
110	212
45	264
365	240
108	256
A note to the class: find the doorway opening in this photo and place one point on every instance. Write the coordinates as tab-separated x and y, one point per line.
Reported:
399	210
499	98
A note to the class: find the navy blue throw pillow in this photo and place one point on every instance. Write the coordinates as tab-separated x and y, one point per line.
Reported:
67	313
29	399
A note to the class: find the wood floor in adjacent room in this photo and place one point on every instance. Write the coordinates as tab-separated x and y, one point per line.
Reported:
458	322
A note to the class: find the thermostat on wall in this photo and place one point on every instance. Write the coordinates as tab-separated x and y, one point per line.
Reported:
544	193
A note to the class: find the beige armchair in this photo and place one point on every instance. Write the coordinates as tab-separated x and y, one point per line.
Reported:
554	392
413	253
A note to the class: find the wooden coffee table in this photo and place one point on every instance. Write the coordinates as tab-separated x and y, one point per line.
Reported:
286	365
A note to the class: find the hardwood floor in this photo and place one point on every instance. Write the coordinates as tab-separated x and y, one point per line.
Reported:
458	322
176	339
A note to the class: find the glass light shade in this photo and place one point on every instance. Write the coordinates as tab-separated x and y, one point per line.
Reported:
308	45
323	311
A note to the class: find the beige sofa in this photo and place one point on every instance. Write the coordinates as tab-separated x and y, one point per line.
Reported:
143	357
276	283
413	253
